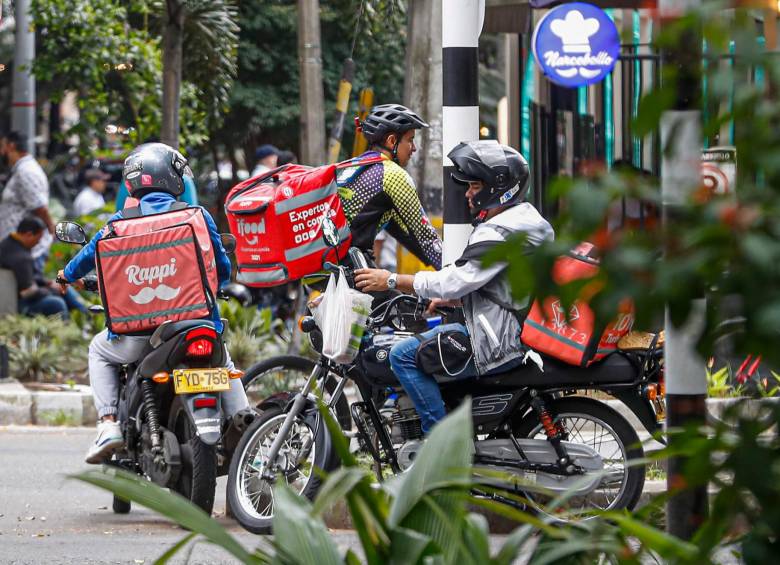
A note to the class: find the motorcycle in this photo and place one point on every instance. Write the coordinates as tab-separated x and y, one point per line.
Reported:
536	427
169	408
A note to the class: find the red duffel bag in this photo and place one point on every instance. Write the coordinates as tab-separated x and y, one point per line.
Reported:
156	268
277	218
576	341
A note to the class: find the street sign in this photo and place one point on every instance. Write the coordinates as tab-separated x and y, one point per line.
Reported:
576	44
719	169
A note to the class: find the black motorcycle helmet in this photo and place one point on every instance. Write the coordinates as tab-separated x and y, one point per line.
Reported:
503	171
155	167
386	119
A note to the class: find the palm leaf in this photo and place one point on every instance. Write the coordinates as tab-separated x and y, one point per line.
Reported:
170	505
444	459
299	537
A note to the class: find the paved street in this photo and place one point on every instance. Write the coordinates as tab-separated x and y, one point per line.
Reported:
47	518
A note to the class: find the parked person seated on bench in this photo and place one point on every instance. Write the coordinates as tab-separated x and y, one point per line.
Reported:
36	295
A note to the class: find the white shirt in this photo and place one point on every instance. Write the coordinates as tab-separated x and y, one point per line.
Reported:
27	189
260	169
87	201
453	282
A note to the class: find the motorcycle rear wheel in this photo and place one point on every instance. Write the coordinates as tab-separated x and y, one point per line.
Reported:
197	480
603	429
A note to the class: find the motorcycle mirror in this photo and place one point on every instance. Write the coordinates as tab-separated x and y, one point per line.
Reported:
329	233
228	242
70	232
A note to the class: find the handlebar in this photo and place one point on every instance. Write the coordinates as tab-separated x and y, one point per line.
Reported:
382	314
90	282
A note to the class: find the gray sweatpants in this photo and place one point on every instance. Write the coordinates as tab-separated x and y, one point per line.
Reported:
106	356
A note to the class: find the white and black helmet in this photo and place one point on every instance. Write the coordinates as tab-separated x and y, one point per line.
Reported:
503	170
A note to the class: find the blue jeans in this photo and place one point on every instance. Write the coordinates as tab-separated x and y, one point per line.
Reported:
49	305
423	389
73	300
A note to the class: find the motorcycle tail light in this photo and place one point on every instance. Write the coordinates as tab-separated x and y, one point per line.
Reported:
205	402
651	391
199	349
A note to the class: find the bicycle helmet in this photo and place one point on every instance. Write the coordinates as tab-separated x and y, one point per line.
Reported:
386	119
503	171
155	167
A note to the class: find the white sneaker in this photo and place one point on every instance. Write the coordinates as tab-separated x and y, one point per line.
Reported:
108	440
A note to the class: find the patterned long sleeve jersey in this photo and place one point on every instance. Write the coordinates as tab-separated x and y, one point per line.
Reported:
383	195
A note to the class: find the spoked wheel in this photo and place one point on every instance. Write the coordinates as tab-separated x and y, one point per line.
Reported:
601	428
198	477
288	373
249	492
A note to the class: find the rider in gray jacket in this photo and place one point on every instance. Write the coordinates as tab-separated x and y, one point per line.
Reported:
497	177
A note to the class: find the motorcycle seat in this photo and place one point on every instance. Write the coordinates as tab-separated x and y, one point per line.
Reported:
613	369
170	330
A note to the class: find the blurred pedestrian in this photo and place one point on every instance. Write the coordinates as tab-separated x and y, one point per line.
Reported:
27	191
266	157
386	251
36	295
91	196
286	157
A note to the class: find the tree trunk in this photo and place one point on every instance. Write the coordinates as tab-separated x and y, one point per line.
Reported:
312	97
423	94
173	37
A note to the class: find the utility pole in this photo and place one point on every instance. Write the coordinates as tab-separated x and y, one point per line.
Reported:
461	26
312	97
686	383
422	93
23	104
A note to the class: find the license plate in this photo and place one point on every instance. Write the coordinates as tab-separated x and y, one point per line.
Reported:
191	381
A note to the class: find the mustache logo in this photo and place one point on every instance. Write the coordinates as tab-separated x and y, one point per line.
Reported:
163	292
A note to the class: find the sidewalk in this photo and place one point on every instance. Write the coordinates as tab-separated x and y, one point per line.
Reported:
23	407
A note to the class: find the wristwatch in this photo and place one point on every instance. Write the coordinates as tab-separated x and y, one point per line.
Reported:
392	281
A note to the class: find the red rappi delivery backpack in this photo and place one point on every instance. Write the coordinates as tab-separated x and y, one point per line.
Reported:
156	268
277	218
576	341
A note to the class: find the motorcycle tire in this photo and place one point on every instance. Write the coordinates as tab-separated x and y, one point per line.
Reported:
120	505
197	480
593	410
238	499
303	365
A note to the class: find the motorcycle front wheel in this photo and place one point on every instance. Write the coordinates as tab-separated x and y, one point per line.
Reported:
250	494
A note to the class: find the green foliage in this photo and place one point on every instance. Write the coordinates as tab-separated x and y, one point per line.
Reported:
109	53
720	247
265	103
251	334
421	516
41	348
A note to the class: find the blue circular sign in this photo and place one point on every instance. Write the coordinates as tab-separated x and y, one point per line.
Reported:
576	44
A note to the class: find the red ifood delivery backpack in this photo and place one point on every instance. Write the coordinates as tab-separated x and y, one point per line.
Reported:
156	268
277	218
576	341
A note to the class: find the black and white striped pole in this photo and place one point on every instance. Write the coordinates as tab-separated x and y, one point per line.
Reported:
461	26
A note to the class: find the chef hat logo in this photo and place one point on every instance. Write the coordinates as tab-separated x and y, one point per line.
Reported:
574	31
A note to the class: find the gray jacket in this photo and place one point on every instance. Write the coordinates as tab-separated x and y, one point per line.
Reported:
491	318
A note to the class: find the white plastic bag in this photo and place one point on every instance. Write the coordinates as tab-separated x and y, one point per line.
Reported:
341	315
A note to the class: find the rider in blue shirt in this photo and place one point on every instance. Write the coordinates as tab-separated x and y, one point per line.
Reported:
155	173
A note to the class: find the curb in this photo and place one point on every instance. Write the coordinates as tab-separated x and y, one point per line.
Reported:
68	407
